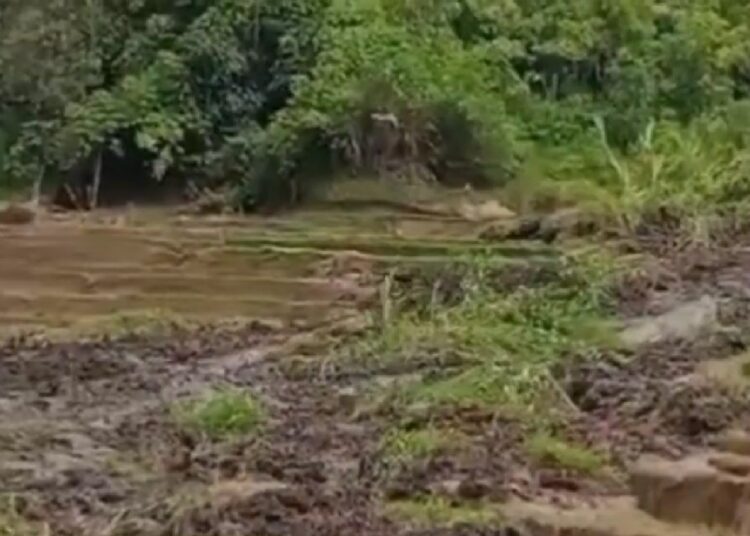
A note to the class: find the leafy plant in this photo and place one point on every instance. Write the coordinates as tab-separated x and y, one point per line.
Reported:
221	414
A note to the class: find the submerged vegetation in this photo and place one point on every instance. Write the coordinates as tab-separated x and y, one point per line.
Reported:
629	105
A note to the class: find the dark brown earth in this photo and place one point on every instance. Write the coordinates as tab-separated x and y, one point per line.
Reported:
88	445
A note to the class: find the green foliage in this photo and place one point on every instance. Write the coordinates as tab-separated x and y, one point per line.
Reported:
550	451
501	346
385	96
221	414
269	95
407	445
11	523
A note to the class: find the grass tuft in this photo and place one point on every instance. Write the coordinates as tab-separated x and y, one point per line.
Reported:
221	414
11	523
550	451
407	445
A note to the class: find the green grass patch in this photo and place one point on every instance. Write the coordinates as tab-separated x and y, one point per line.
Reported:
547	450
502	346
407	445
221	414
434	512
11	523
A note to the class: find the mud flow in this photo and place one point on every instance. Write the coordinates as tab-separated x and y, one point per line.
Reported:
93	441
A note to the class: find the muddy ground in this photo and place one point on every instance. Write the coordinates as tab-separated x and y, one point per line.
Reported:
89	444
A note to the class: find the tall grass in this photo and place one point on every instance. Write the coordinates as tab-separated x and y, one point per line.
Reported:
692	172
500	347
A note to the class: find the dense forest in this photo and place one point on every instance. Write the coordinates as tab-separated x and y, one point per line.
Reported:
644	99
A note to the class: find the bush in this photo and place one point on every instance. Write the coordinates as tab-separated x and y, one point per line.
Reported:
390	97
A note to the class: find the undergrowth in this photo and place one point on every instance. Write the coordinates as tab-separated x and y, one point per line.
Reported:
501	347
406	445
550	451
11	523
693	176
221	414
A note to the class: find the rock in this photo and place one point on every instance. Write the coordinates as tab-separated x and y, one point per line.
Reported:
685	322
526	229
295	499
14	214
446	488
735	442
616	516
674	491
549	234
398	491
729	372
347	400
472	490
743	518
689	491
498	231
570	221
484	211
731	463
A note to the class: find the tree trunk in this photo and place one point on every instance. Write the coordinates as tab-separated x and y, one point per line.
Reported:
97	180
36	192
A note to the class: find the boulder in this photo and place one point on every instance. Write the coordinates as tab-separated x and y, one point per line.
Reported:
735	442
731	463
346	399
693	490
14	214
674	491
483	211
685	322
